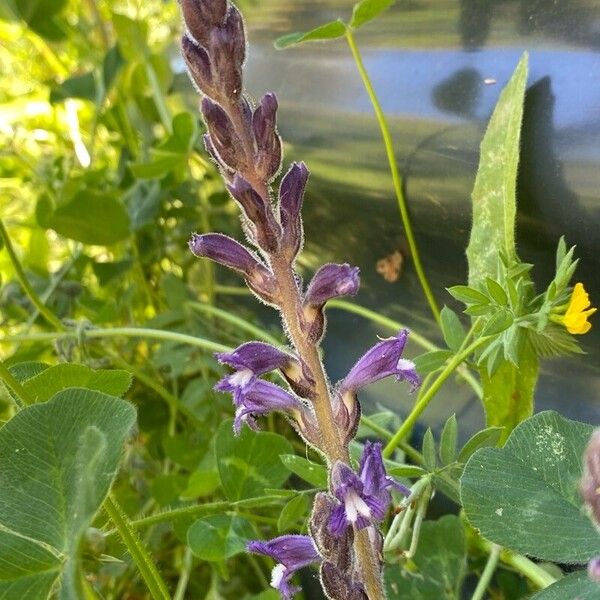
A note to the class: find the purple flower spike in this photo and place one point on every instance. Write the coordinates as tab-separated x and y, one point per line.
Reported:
292	552
255	397
268	143
201	16
382	360
364	497
263	226
291	195
332	281
228	252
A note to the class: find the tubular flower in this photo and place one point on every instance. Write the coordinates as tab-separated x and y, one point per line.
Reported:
292	552
578	311
364	497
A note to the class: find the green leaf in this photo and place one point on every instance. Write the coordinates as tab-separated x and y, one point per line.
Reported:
250	462
494	195
91	218
80	86
496	291
295	510
438	568
219	537
525	496
429	450
448	441
431	361
44	385
132	36
57	461
468	295
367	10
202	483
497	323
576	585
482	439
328	31
406	471
41	16
452	329
312	472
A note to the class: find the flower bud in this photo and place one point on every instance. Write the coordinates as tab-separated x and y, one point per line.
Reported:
198	64
291	194
594	569
268	142
202	16
339	585
228	252
263	227
224	140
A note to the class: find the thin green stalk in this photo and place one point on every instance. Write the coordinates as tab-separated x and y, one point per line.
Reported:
157	95
234	320
138	552
426	398
488	572
397	181
413	454
141	332
20	273
184	576
21	397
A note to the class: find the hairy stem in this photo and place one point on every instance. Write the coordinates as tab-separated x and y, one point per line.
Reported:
397	180
138	552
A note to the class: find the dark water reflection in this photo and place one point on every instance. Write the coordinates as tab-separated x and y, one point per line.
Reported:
439	67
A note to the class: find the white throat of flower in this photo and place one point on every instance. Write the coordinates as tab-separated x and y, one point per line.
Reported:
277	575
405	365
354	506
241	378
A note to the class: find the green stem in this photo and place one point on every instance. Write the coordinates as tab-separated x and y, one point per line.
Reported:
158	334
397	181
20	273
413	454
241	324
157	95
184	577
22	396
426	398
138	552
488	571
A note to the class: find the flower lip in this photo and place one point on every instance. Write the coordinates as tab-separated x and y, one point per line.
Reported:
258	357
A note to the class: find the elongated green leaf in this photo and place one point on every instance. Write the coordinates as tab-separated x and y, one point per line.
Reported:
59	377
508	392
219	537
576	585
481	439
367	10
292	512
448	441
525	496
328	31
309	471
438	568
57	462
250	462
452	329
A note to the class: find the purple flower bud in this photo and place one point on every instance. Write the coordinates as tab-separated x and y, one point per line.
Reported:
594	569
264	229
268	142
292	552
338	584
364	497
224	140
201	16
334	549
590	484
346	412
198	63
330	281
291	194
382	360
226	251
255	397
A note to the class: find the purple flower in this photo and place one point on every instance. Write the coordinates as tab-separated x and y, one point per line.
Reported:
254	397
364	497
292	552
594	569
332	281
222	140
382	360
257	357
268	142
226	251
291	194
198	64
263	227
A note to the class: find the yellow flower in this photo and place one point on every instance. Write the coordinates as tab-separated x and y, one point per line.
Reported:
578	311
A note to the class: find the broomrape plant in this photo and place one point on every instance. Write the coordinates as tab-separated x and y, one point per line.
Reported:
524	490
